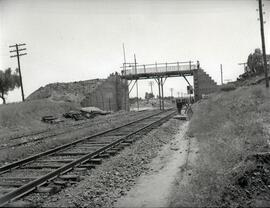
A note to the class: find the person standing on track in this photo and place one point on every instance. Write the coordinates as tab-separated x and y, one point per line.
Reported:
179	105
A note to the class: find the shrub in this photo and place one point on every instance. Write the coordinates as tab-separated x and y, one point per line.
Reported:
228	87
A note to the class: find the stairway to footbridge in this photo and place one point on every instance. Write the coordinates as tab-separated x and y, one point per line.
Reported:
203	84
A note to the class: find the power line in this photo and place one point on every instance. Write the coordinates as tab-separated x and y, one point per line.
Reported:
17	55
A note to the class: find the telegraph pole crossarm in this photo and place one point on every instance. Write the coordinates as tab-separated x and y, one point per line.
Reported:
17	55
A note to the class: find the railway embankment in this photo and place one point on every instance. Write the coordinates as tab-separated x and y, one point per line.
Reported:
232	166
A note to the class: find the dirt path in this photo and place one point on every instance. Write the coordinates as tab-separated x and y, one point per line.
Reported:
155	188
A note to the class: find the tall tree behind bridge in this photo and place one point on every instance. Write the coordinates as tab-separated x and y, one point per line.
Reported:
8	82
255	61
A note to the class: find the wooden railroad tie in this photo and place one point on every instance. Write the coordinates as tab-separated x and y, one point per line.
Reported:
104	155
71	153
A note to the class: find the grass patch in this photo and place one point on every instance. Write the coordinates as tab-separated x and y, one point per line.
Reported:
27	115
228	87
228	126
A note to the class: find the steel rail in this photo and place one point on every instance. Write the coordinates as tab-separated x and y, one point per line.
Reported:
84	126
36	156
44	131
21	191
40	132
49	130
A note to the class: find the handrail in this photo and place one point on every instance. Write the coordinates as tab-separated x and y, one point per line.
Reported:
128	65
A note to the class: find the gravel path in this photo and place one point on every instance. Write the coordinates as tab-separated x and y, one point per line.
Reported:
115	177
181	194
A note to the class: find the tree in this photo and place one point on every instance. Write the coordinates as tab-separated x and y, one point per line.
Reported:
255	61
8	82
149	96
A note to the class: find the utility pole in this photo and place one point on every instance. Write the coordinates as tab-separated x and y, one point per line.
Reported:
125	73
171	92
263	43
151	83
18	54
221	74
178	93
162	92
137	89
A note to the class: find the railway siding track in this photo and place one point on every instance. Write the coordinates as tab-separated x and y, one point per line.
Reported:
38	172
39	136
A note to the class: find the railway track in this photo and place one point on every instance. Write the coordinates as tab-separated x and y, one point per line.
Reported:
40	136
50	170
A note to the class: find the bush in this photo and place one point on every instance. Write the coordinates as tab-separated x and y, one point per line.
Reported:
228	87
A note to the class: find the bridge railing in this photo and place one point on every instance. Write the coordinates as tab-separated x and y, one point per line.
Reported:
133	69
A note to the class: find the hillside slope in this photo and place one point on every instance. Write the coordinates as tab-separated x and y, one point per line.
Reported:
109	94
232	129
26	116
68	92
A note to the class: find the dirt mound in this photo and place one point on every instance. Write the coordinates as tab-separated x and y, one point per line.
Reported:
68	92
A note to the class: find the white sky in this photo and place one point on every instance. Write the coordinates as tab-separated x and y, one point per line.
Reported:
71	40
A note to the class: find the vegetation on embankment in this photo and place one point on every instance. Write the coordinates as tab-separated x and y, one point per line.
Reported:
229	127
26	116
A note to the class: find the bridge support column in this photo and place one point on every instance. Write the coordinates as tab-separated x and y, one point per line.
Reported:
196	86
159	90
162	93
137	91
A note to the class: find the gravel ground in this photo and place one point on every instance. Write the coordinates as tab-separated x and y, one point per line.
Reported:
111	180
96	125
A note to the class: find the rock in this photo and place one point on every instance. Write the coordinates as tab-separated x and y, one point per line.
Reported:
242	181
54	199
174	148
